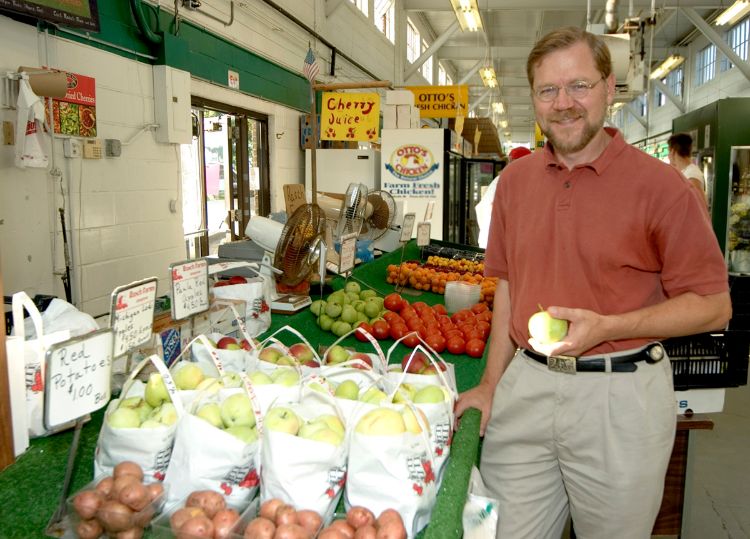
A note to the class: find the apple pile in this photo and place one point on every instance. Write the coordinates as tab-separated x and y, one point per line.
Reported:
326	428
348	389
285	376
234	415
384	421
465	332
136	412
205	515
298	354
360	523
344	309
428	394
230	343
278	520
120	505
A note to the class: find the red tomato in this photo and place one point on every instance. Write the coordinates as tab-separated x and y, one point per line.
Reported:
485	328
361	336
475	347
394	302
433	327
461	315
436	342
486	316
381	330
414	323
407	312
390	316
411	340
439	309
398	330
456	345
479	308
420	306
473	334
453	333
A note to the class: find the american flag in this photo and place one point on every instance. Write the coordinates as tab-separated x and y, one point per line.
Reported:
310	69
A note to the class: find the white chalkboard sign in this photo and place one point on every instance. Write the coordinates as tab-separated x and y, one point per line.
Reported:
132	314
77	377
189	288
428	210
423	234
348	252
408	227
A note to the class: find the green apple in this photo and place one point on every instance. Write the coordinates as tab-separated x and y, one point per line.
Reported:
546	329
152	424
231	380
307	429
124	418
156	391
166	414
332	422
368	293
336	297
259	378
285	376
211	412
210	385
333	309
358	305
237	411
373	396
270	354
381	422
410	420
327	435
348	389
340	328
286	361
188	376
139	405
282	419
362	317
405	392
351	297
325	322
348	314
317	307
336	354
352	287
431	394
246	434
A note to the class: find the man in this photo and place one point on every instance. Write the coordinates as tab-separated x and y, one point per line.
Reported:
613	241
680	149
484	207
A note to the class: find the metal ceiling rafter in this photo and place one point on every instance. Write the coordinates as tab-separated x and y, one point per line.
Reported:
669	95
332	5
470	73
480	99
641	120
432	49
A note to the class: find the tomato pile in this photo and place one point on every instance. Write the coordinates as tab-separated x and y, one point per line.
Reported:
465	332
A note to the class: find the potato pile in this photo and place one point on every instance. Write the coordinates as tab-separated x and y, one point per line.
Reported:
205	516
120	505
360	523
278	520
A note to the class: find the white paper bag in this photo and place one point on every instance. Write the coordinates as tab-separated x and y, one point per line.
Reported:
255	294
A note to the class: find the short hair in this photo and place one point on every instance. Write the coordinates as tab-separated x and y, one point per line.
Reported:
681	143
563	38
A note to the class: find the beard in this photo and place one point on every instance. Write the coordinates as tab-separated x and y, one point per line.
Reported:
572	142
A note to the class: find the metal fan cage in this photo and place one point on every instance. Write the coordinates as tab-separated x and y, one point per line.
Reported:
299	246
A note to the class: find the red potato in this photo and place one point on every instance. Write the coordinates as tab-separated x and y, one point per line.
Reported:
291	531
154	491
135	532
390	525
143	517
224	520
135	495
365	532
331	533
342	527
105	486
115	516
128	467
182	515
87	503
200	527
286	514
210	501
89	529
260	528
120	483
310	520
358	516
269	507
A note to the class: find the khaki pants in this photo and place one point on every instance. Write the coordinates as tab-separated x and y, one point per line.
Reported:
593	444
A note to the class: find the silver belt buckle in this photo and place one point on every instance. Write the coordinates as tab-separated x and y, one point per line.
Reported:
564	364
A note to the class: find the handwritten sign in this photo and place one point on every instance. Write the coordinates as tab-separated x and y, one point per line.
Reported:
189	288
294	197
423	234
441	101
350	116
408	227
428	210
132	314
348	251
78	376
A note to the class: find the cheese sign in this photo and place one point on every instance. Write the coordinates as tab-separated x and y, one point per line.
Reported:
77	377
423	234
132	315
350	116
441	101
189	288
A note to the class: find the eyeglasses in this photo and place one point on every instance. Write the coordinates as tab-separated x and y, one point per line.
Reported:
578	89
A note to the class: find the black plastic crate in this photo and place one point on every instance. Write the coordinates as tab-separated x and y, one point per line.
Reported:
709	360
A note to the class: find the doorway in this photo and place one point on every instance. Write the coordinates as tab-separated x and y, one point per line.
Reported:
225	177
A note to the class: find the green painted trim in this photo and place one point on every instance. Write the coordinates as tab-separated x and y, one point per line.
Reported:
205	55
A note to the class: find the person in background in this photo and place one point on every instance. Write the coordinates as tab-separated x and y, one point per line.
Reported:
484	206
680	150
612	241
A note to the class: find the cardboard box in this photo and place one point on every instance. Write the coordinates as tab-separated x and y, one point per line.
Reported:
403	116
171	336
416	119
389	117
399	97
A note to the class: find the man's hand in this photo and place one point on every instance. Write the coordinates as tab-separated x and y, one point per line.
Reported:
586	329
479	397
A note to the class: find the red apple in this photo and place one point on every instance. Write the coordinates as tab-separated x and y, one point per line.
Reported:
221	283
237	279
418	362
225	342
245	345
364	357
311	363
301	351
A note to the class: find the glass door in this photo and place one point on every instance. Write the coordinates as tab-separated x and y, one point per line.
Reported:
738	223
478	174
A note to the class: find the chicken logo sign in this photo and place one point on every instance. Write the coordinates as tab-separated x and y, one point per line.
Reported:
411	162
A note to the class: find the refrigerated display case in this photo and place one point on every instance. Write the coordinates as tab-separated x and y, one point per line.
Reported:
738	223
476	176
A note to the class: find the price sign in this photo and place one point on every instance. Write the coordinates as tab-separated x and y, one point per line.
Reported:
408	227
348	252
132	314
77	377
189	288
423	234
428	211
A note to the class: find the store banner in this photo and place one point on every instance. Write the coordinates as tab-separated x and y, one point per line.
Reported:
75	114
350	116
441	101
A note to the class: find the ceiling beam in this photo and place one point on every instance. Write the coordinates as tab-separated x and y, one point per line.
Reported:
669	95
432	49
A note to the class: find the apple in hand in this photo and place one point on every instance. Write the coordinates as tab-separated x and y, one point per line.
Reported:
156	392
188	376
281	419
545	329
212	413
381	422
237	411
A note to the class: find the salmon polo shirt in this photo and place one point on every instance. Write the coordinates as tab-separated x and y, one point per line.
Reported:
617	234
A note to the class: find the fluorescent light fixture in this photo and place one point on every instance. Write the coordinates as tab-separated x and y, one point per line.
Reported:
504	124
498	107
617	106
488	76
733	13
507	133
666	66
467	14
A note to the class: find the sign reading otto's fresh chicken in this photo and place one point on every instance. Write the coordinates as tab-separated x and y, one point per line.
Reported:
350	116
441	101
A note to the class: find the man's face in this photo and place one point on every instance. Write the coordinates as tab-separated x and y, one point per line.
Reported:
570	123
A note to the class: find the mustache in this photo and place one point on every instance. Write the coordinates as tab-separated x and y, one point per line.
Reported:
567	115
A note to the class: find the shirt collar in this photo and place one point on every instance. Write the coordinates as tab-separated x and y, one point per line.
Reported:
616	145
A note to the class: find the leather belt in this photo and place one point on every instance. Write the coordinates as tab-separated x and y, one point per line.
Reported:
622	363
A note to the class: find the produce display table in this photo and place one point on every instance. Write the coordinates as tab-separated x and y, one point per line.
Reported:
30	488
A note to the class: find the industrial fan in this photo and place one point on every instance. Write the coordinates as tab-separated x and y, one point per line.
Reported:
380	214
295	247
345	214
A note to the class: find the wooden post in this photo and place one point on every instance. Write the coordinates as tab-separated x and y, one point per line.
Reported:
314	146
7	455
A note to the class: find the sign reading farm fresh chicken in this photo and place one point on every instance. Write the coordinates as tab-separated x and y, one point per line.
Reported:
75	114
350	116
441	101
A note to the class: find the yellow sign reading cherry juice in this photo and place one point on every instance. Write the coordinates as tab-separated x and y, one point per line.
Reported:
441	101
346	116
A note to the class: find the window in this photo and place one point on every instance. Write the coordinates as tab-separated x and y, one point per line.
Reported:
641	105
427	66
442	76
705	65
384	16
361	5
659	98
737	38
412	41
674	81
